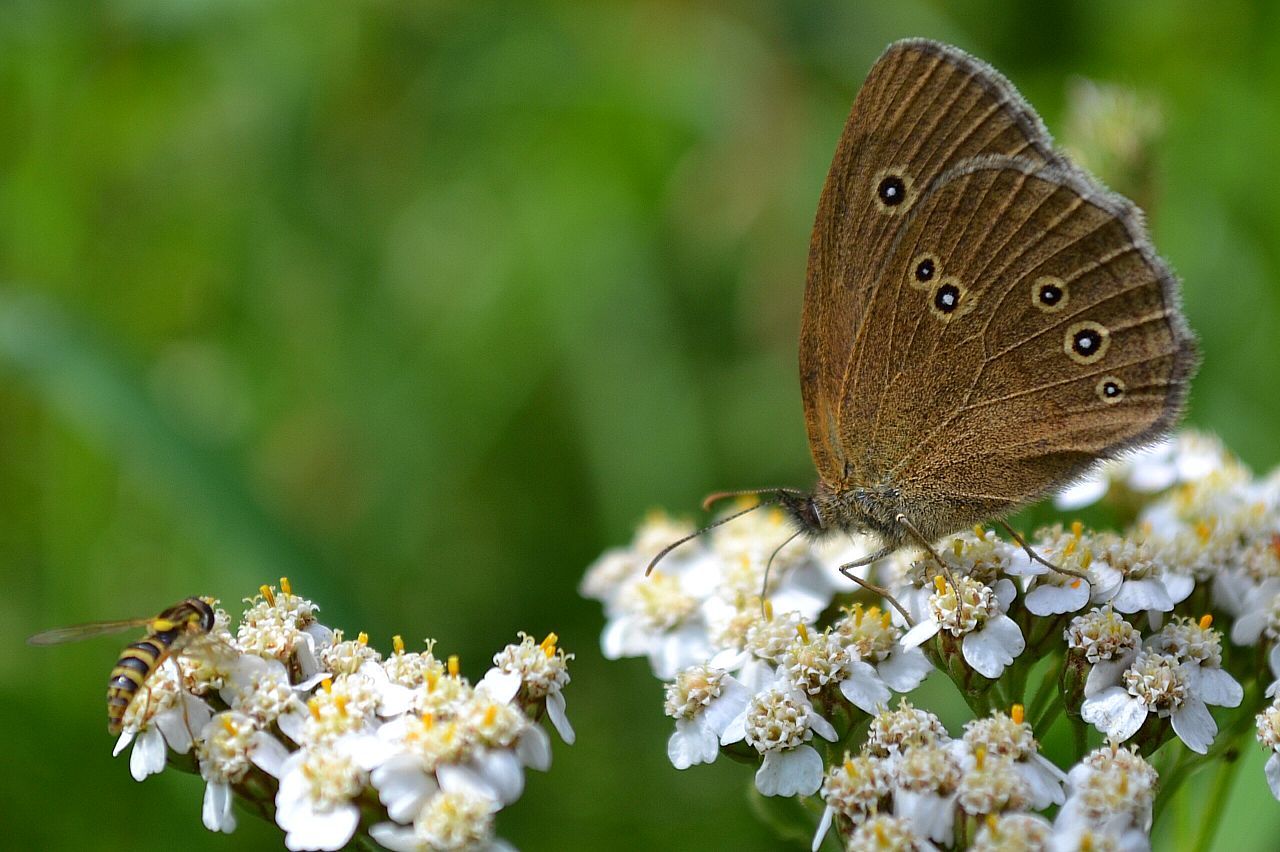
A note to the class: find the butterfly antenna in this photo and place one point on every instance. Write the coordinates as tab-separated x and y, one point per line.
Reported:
711	499
764	587
691	536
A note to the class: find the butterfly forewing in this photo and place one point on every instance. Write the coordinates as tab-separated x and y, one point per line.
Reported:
924	109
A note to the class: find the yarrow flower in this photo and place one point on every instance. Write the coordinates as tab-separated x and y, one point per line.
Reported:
321	730
1088	627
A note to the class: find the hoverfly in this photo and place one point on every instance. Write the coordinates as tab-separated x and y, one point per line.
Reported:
167	633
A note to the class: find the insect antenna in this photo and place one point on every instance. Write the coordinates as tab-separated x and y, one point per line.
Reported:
715	497
691	536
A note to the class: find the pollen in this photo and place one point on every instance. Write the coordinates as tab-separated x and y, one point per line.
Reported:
1018	713
548	645
228	725
340	702
803	632
1206	621
979	756
313	705
453	665
327	684
397	643
428	719
286	586
362	638
268	594
1077	529
940	584
490	715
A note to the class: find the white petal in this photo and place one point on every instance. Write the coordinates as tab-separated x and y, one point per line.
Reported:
993	647
293	722
397	838
147	757
1114	712
1153	477
403	786
126	737
1246	629
1051	599
792	772
1139	595
1005	592
501	686
559	721
1179	586
1193	724
325	830
692	743
1272	770
864	689
500	770
268	753
534	748
1105	674
1273	659
1217	687
731	701
216	811
930	815
1044	781
623	637
822	728
924	630
904	669
1082	493
824	825
736	730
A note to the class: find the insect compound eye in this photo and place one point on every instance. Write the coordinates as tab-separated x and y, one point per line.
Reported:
892	191
1110	389
1086	342
1049	294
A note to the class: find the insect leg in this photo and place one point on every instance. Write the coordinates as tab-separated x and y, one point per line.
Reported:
182	698
1036	557
847	570
925	543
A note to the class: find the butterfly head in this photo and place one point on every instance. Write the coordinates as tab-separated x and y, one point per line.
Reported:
805	511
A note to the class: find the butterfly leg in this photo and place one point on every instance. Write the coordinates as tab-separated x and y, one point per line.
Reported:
925	543
1036	557
847	570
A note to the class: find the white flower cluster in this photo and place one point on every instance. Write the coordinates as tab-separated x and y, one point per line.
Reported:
292	717
1120	637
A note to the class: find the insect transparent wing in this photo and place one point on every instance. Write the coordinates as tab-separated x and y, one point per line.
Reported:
76	632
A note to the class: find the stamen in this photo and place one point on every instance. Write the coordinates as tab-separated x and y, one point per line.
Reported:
1204	530
397	643
886	620
1087	559
313	705
362	638
991	826
768	610
803	631
268	594
979	756
286	586
940	583
490	715
340	701
228	725
548	645
881	838
428	719
327	684
957	546
849	768
453	665
1206	621
979	532
1077	529
1017	712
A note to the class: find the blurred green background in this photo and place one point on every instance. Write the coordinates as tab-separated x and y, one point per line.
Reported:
425	304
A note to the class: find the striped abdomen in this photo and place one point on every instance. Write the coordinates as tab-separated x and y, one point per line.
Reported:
136	664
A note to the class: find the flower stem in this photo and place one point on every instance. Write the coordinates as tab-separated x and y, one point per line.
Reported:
1213	811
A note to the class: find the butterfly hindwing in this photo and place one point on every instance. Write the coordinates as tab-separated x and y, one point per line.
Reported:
1046	335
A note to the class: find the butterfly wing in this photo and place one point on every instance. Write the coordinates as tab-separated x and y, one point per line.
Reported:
924	109
1047	335
76	632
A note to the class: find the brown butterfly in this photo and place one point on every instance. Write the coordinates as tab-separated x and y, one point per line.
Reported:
983	321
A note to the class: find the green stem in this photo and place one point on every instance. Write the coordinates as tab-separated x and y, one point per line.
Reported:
1221	791
1046	691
